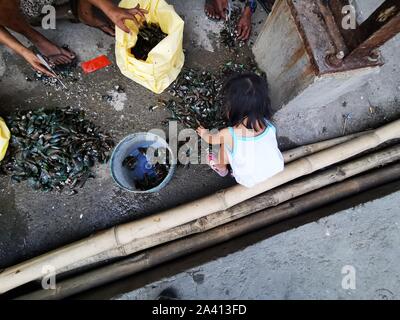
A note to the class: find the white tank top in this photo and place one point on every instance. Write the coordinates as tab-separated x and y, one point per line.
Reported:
255	159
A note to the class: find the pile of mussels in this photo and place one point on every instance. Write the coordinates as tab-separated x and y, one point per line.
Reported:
197	95
53	149
150	35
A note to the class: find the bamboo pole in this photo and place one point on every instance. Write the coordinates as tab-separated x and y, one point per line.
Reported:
170	251
118	236
229	197
307	150
289	156
261	202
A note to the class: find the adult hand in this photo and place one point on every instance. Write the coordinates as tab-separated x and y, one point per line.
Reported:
34	61
244	26
119	15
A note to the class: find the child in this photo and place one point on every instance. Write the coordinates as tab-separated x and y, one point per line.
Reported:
249	145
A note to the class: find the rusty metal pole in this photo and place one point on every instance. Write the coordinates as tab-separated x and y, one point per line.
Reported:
379	28
333	29
350	36
323	48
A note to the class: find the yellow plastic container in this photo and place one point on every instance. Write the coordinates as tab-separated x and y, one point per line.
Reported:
165	61
4	138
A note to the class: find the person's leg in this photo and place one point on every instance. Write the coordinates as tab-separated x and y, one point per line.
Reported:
11	18
216	9
85	12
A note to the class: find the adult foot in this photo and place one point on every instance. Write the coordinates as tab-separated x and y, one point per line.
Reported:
85	13
216	9
54	54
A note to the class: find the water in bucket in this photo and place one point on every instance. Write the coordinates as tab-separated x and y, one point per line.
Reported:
134	163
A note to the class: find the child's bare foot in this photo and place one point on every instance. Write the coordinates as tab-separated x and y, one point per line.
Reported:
216	9
55	54
221	169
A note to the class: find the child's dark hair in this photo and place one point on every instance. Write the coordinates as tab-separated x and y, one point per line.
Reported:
246	97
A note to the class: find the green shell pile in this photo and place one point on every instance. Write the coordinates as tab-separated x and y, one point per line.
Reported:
53	149
150	35
197	97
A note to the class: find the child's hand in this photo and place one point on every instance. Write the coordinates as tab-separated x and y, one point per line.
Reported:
201	131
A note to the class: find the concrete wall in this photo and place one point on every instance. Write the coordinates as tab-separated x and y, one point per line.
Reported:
325	89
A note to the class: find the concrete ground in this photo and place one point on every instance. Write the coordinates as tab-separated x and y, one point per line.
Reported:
350	255
32	223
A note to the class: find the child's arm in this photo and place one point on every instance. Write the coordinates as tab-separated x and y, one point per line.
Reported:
213	138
